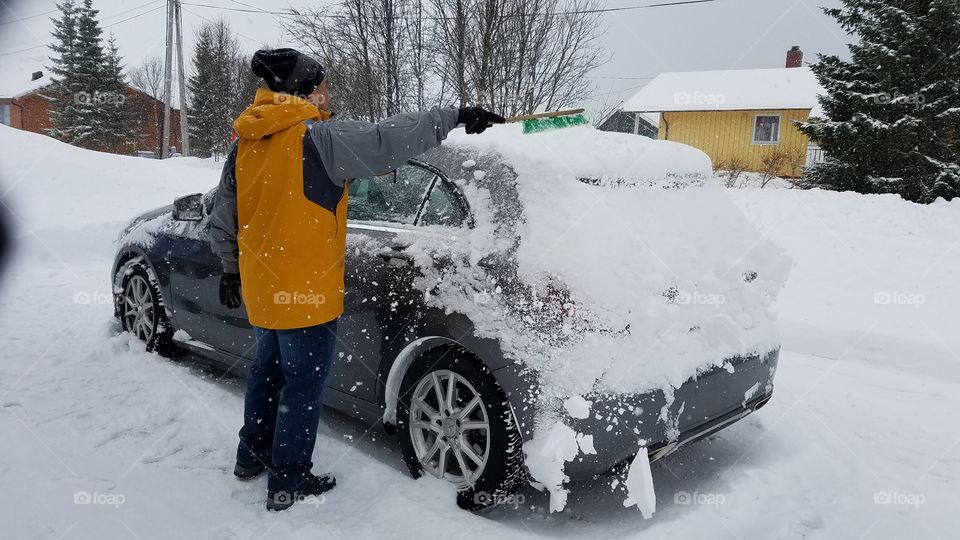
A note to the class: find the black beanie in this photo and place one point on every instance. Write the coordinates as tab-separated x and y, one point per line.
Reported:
287	70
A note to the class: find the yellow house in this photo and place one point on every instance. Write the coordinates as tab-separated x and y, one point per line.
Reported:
742	119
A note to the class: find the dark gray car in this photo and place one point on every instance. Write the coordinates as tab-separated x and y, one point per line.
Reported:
460	406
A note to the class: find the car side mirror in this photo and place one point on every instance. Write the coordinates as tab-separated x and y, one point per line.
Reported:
188	207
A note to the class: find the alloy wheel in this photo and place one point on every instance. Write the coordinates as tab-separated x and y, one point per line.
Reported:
449	428
138	314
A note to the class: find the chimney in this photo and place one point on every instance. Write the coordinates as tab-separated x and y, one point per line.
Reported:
36	75
795	57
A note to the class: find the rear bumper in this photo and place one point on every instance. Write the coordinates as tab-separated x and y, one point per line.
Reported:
621	424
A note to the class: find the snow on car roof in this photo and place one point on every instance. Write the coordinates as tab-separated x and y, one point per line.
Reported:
728	90
588	153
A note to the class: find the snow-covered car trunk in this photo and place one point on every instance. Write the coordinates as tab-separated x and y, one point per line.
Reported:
632	284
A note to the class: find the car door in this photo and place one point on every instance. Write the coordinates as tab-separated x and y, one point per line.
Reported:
385	214
195	273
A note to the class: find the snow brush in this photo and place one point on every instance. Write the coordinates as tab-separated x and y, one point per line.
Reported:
536	123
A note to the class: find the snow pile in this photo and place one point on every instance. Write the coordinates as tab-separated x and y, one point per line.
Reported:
866	266
636	244
71	200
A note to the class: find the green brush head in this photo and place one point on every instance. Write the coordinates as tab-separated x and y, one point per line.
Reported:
557	122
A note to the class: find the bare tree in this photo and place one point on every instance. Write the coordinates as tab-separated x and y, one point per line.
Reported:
363	45
515	56
419	41
148	77
519	56
450	41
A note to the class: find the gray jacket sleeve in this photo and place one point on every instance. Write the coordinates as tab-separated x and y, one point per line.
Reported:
223	219
358	149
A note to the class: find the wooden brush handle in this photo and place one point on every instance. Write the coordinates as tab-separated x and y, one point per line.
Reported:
511	119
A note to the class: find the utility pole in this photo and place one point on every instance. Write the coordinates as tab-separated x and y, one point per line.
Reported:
174	20
167	83
184	131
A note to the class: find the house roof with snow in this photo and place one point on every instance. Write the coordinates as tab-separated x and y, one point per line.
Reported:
729	90
17	75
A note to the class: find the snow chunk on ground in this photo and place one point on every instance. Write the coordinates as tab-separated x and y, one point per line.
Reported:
585	442
547	455
639	483
469	164
577	407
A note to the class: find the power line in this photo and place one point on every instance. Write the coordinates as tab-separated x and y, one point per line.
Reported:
149	11
135	16
195	14
21	19
290	13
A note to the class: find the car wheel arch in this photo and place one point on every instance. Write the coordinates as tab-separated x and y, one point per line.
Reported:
390	389
124	258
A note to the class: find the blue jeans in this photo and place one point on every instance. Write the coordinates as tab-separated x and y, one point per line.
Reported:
282	405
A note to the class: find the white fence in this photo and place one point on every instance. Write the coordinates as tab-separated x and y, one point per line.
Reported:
815	154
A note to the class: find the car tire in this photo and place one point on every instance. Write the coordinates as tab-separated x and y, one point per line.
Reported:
502	473
141	310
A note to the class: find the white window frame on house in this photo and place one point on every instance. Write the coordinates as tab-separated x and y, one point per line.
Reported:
5	114
776	134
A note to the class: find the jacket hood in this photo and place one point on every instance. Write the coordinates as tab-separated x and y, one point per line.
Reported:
272	112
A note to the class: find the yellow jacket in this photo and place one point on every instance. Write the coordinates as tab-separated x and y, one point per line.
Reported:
281	209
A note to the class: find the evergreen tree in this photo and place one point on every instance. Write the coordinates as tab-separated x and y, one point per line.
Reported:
212	89
78	86
246	85
893	111
117	121
64	82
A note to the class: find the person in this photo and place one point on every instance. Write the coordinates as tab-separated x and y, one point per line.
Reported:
278	226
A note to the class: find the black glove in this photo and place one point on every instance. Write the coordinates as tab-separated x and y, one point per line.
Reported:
477	120
230	290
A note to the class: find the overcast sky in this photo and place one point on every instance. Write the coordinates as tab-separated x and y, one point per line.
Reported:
726	34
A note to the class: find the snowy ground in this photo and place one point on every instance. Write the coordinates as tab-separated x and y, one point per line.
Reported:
103	440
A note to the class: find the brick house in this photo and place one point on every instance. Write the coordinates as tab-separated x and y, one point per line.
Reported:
29	109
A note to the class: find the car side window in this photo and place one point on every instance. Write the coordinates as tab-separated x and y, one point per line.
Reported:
443	208
393	197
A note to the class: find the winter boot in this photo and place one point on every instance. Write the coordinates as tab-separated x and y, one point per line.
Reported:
248	470
312	486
